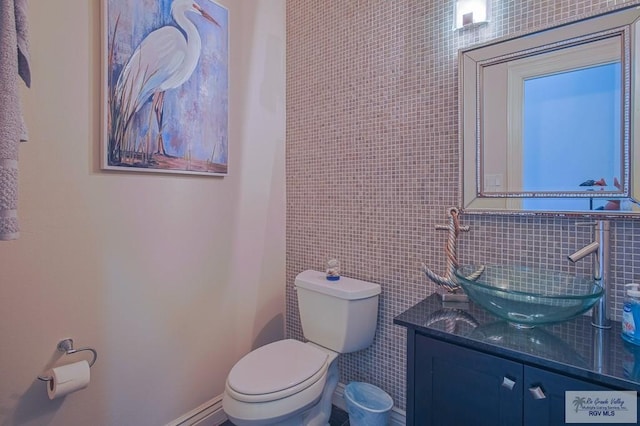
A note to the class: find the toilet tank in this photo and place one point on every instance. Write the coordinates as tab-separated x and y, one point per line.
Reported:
339	315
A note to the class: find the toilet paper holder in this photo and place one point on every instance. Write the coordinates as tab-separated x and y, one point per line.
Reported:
66	346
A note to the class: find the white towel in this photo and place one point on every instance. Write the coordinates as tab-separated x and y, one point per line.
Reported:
14	63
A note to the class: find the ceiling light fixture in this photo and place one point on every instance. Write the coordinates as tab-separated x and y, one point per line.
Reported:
470	13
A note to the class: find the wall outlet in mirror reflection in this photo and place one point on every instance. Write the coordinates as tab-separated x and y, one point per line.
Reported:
493	183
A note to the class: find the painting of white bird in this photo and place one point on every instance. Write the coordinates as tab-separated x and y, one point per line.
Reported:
166	86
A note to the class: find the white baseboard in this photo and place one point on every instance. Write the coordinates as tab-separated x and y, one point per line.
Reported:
398	417
210	413
207	414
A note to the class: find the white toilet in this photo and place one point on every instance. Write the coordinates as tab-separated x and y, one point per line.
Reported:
290	382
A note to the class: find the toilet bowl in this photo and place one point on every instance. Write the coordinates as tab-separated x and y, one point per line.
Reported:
291	383
279	383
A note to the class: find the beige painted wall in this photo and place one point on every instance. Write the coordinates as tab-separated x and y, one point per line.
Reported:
171	278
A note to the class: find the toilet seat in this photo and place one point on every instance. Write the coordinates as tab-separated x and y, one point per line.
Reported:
276	371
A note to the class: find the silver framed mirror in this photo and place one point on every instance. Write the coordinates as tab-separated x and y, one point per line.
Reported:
548	119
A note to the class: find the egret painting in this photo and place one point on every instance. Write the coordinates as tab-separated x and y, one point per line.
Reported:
166	86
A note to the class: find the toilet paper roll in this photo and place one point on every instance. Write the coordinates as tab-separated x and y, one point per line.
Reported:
68	378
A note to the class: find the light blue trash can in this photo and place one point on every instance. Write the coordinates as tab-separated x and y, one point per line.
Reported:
367	405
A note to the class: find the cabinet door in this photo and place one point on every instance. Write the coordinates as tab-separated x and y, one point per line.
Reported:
544	396
459	386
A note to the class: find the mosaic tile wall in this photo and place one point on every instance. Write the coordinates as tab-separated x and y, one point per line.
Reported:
372	159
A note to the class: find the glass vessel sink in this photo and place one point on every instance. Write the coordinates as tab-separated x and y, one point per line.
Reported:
526	296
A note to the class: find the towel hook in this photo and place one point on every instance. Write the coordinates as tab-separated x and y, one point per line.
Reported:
66	346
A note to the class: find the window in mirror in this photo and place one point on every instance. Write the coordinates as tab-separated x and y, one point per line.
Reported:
571	136
556	100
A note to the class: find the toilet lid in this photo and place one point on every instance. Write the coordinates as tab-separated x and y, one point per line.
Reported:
275	367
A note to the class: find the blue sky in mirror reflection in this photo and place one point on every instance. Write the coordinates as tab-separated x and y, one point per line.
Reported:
572	134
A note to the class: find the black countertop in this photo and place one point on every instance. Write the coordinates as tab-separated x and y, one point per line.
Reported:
574	347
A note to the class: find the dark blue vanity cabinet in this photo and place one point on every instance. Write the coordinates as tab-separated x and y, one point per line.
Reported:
454	385
465	368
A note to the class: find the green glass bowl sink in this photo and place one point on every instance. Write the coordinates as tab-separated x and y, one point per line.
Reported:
526	296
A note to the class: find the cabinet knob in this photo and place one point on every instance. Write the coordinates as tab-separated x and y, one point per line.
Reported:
537	392
508	383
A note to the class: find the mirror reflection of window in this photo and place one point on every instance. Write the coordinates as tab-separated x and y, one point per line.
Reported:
571	134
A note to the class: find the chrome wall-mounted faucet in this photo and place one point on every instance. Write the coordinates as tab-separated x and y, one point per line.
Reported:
601	270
